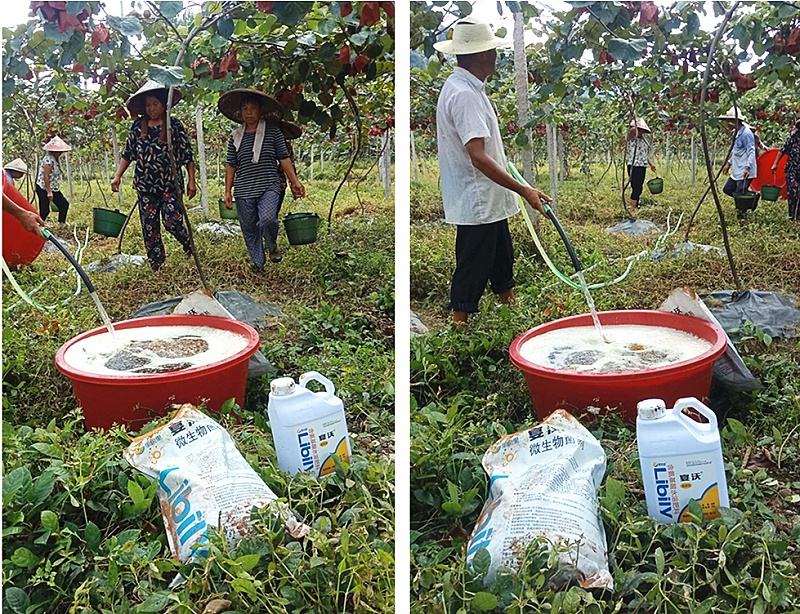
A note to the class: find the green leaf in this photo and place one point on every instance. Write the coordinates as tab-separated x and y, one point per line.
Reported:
481	561
248	561
18	480
16	600
627	50
23	557
170	9
135	491
42	487
695	511
49	521
156	602
225	27
168	76
243	585
484	601
433	68
660	561
291	13
128	25
92	535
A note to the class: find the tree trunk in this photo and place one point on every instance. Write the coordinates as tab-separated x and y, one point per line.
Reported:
201	161
694	159
414	157
115	143
107	175
562	158
552	163
523	101
668	155
69	174
312	162
386	163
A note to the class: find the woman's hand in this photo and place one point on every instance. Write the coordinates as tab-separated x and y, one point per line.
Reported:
50	195
191	188
115	184
652	167
228	200
298	190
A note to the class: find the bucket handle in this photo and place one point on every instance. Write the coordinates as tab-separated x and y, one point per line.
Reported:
310	376
693	403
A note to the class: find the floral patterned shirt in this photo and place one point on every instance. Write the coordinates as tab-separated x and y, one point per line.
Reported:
55	172
153	173
791	149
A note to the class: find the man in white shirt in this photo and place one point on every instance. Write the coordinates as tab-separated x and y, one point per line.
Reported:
477	190
742	163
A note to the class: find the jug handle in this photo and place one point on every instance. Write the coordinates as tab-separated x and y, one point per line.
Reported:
695	404
330	390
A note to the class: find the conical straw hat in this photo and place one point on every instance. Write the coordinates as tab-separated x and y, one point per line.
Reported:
640	123
17	164
230	104
136	103
290	130
56	144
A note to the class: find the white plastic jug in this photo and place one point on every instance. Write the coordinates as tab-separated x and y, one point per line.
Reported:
308	427
681	460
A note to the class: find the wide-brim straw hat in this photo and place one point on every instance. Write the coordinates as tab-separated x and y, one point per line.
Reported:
17	164
290	130
230	104
470	36
56	144
733	114
136	103
640	124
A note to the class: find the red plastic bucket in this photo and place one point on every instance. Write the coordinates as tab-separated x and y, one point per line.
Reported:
135	400
19	245
551	389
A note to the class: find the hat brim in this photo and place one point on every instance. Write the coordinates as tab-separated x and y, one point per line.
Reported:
290	130
137	106
230	104
457	48
13	166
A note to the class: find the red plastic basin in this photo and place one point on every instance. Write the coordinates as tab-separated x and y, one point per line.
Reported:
135	400
19	245
552	389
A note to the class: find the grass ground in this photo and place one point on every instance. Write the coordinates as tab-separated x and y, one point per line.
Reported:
466	394
85	538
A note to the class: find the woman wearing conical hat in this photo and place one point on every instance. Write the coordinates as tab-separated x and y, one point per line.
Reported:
152	179
638	157
49	179
255	151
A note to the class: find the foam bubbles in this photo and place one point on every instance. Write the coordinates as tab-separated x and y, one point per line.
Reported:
632	348
134	352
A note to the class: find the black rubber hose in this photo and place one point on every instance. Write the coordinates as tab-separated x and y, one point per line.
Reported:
72	261
573	256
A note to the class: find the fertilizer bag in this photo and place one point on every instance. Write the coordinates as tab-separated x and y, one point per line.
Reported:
203	481
543	483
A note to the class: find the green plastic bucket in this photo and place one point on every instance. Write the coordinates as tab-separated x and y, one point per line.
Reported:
53	207
301	228
746	201
107	222
770	192
227	214
656	186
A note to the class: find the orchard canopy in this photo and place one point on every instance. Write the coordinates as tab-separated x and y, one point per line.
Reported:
70	68
591	67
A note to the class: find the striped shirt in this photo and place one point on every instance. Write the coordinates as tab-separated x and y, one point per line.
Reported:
252	180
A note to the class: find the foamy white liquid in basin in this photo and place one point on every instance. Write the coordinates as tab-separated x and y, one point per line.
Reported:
633	348
92	353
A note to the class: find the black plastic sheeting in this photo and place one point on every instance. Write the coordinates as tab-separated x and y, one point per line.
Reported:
242	307
776	315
